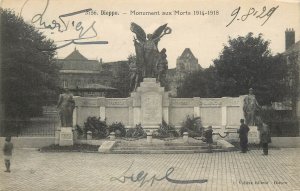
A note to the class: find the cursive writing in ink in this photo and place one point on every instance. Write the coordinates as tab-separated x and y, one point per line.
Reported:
142	178
62	24
263	14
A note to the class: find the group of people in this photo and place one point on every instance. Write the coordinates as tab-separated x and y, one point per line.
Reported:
264	136
264	132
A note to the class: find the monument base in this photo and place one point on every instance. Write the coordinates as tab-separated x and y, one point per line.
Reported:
66	137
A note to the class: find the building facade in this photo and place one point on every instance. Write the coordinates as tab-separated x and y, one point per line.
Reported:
78	72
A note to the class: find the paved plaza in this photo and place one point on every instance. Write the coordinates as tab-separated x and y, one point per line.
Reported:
33	170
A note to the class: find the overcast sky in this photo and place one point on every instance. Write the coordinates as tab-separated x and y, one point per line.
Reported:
204	35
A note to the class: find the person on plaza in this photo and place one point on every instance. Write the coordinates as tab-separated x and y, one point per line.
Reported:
208	134
265	138
7	150
243	135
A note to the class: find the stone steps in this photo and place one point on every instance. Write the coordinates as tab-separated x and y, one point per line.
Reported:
121	151
163	148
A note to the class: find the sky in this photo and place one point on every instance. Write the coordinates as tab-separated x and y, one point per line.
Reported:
205	35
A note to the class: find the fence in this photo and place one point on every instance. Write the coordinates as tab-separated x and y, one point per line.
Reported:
34	127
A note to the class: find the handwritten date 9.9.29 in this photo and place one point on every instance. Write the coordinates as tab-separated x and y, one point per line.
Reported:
258	14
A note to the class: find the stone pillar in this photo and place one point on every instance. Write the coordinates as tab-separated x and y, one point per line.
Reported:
149	136
89	135
75	113
101	104
136	115
224	115
166	114
130	116
102	112
185	137
166	104
196	106
112	136
57	135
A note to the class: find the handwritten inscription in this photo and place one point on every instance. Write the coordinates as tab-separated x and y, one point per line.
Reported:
143	177
66	23
259	14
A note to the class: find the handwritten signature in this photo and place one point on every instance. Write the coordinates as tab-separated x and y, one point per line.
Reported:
141	177
263	14
63	25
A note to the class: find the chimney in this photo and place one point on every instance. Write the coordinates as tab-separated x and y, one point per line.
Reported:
289	38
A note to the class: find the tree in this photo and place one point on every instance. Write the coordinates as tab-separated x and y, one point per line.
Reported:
28	74
244	63
198	84
120	80
247	62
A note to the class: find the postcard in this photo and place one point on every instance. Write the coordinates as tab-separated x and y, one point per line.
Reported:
150	95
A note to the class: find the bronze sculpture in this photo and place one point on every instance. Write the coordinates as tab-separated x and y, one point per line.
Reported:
250	108
66	106
148	57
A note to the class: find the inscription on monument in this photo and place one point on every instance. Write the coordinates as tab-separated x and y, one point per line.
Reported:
65	136
117	102
151	109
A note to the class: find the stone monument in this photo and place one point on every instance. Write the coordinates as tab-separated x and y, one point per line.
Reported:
149	101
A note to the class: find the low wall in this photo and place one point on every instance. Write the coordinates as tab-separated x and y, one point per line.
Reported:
150	104
286	142
30	142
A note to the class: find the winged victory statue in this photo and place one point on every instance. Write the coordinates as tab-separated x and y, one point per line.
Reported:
149	59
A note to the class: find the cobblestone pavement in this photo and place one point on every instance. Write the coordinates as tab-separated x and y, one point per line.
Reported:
32	170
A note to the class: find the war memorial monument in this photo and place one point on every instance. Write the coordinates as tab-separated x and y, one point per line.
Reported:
149	103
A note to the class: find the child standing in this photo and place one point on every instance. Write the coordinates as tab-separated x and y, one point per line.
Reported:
7	150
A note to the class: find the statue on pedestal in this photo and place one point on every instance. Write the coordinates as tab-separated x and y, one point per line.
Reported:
250	108
66	105
148	57
134	73
162	68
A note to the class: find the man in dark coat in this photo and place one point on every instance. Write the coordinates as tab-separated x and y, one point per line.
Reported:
265	138
208	134
243	135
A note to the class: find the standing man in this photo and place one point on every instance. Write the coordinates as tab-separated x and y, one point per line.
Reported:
208	134
265	138
250	108
7	151
243	135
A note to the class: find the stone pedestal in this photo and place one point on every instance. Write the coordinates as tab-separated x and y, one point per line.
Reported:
66	136
151	97
253	135
57	136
